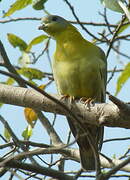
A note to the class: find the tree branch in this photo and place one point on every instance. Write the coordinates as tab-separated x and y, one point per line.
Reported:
49	128
70	153
38	169
8	65
38	19
107	114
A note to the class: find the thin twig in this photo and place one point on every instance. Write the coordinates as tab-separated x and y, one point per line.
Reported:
38	169
78	21
49	128
107	175
112	75
116	139
38	19
114	36
106	20
27	143
120	53
8	65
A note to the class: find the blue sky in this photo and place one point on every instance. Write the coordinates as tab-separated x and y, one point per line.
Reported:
27	30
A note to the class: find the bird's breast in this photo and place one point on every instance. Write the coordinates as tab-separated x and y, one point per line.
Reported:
76	77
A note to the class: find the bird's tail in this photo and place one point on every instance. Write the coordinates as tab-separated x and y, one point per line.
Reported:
86	153
87	156
87	159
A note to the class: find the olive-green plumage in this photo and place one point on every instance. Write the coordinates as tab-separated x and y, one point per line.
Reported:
79	69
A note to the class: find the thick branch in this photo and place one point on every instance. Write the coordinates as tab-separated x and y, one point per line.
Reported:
99	114
71	153
38	169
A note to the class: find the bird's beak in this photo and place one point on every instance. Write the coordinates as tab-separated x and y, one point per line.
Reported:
44	24
42	27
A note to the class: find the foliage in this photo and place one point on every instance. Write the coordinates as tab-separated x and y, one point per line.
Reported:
25	48
27	133
112	35
31	73
18	5
21	4
7	135
113	5
125	75
36	41
38	4
16	41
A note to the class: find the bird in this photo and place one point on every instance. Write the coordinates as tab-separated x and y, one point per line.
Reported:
80	71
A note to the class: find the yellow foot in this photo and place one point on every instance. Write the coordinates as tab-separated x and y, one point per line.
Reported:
69	98
87	101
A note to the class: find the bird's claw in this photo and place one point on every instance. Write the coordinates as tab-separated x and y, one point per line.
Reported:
69	98
87	101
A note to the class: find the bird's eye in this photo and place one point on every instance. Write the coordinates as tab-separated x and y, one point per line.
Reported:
54	18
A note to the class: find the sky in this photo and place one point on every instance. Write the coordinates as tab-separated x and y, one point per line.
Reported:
27	30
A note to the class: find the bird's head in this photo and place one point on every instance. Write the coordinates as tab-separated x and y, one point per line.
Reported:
54	25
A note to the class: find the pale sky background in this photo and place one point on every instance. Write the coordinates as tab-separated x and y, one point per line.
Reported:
27	30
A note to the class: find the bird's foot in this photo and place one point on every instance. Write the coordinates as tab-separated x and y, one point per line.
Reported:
68	98
89	102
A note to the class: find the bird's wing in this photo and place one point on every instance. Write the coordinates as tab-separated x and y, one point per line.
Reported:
103	73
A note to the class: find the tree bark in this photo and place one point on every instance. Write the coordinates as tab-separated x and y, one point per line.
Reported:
106	114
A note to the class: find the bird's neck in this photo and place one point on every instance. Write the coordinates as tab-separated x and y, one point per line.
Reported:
69	43
70	34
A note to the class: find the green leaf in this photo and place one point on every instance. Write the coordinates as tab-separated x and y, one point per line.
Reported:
114	156
27	133
18	5
38	4
35	41
7	134
104	171
125	75
124	8
10	81
16	41
1	104
24	60
123	27
34	83
113	5
31	73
